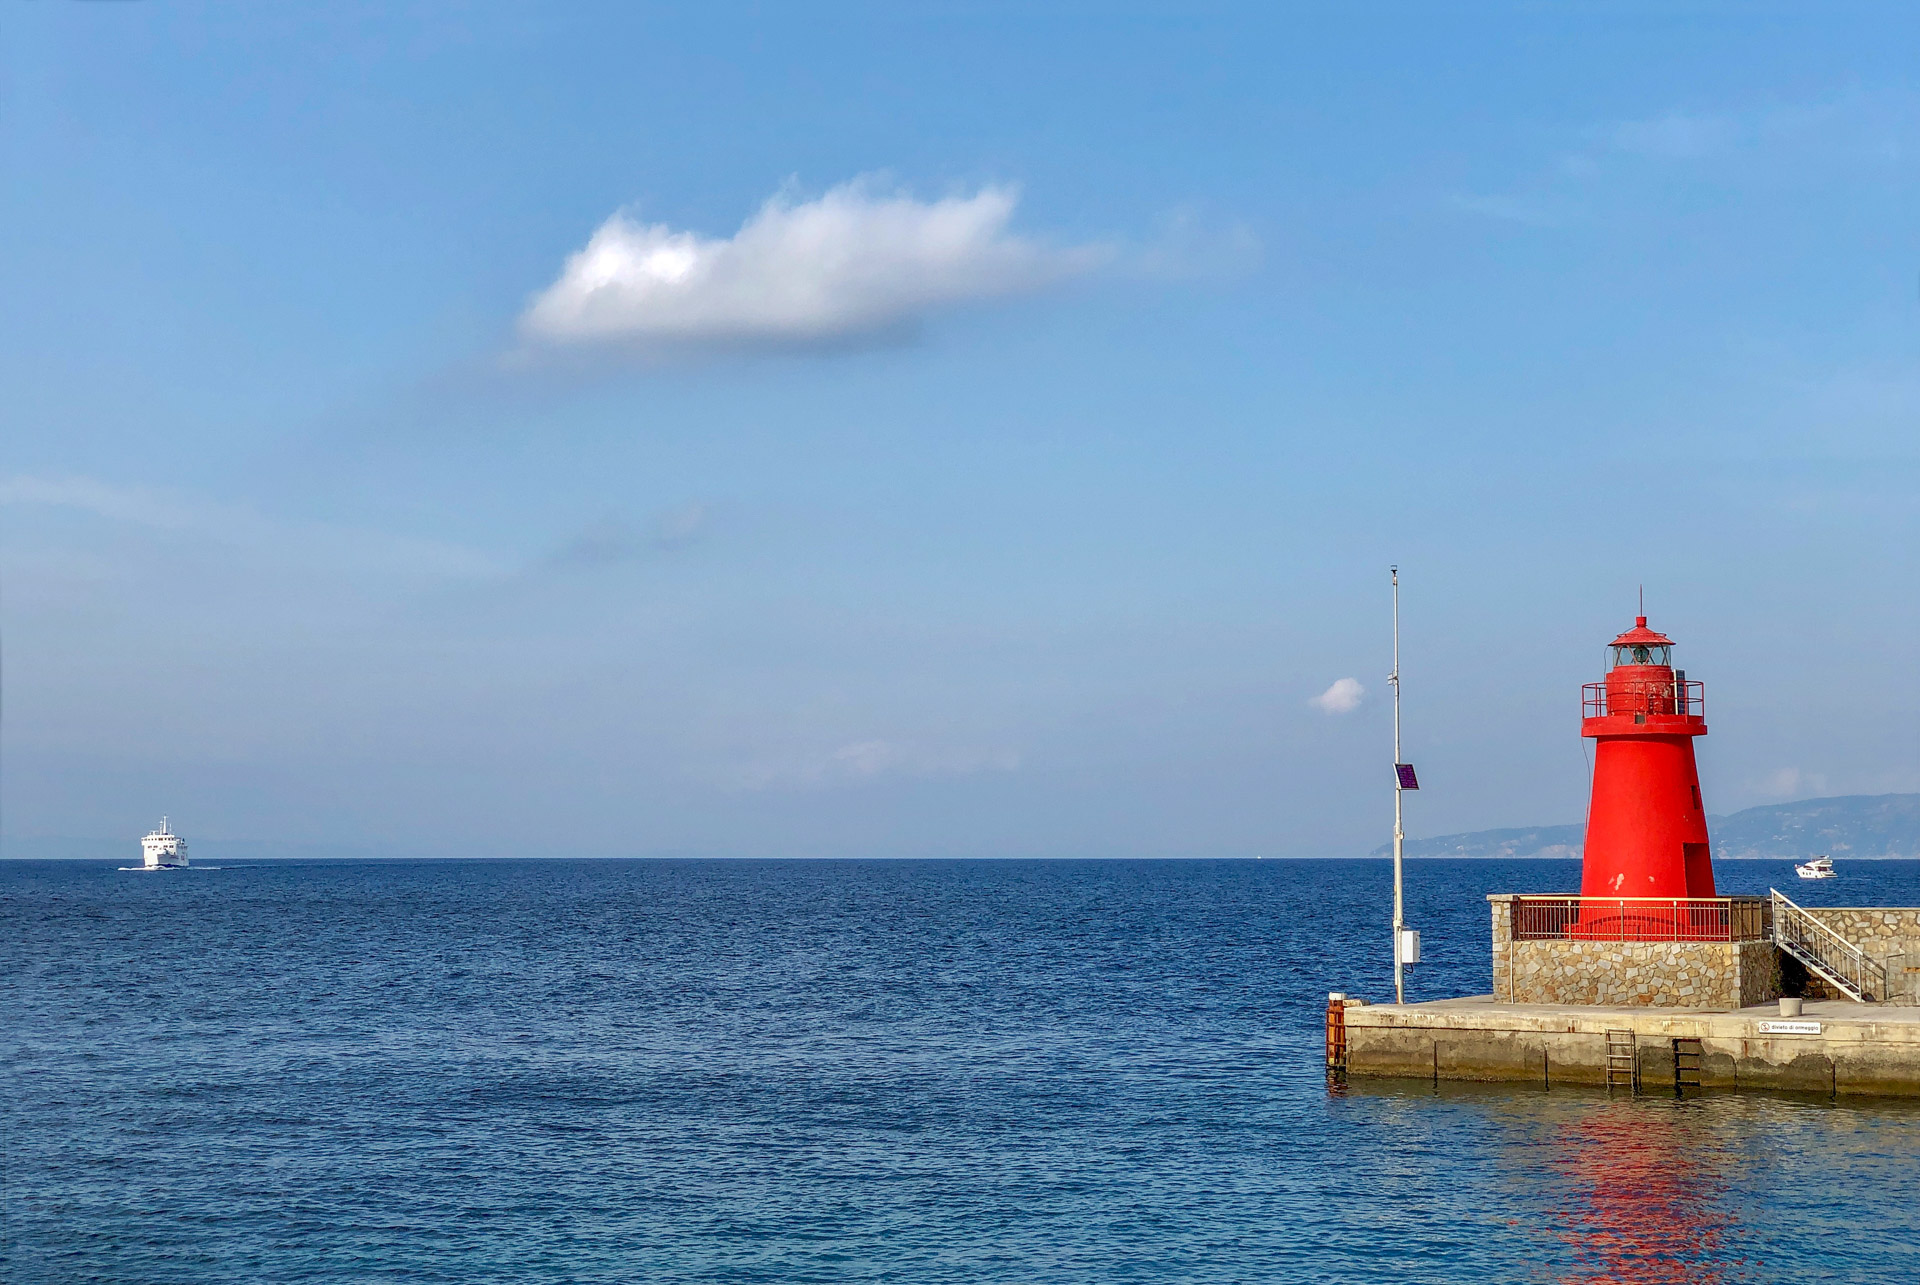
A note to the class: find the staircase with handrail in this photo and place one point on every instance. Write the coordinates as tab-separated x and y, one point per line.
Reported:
1826	953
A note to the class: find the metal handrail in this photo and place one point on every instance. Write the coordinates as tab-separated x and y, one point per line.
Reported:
1681	698
1826	952
1708	919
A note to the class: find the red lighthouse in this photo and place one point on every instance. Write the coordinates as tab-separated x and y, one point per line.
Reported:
1646	828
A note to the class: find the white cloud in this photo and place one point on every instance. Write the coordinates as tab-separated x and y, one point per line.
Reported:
865	758
1533	211
1342	698
870	759
241	529
116	503
1850	127
610	542
1818	141
1676	136
856	261
1793	783
1191	244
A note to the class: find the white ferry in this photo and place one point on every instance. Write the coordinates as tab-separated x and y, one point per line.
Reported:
1818	868
163	849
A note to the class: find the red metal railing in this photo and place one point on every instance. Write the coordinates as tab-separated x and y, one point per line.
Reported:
1642	919
1682	697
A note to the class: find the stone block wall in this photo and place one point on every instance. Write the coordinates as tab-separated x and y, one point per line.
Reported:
1759	964
1669	974
1870	926
1502	945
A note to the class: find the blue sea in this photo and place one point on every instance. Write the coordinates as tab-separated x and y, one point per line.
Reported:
768	1071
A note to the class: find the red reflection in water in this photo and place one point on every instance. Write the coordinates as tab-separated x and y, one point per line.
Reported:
1642	1209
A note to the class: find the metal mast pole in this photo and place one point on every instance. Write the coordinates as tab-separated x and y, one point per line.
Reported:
1399	835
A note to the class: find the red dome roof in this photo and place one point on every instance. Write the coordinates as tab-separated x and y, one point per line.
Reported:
1641	636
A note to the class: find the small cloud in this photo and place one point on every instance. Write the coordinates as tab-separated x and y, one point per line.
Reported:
1676	136
1192	244
600	544
1342	698
678	528
117	503
242	528
1792	783
857	261
610	542
868	760
1533	211
864	758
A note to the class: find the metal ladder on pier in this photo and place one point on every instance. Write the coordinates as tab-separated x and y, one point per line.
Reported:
1826	953
1622	1066
1337	1039
1686	1063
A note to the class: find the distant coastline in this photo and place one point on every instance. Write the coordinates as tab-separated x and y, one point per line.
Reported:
1853	826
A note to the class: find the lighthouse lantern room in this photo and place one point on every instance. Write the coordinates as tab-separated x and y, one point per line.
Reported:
1646	825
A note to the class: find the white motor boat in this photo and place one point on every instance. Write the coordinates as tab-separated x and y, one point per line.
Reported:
163	849
1818	868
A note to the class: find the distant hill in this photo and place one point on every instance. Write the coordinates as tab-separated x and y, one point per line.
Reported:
1853	825
1534	841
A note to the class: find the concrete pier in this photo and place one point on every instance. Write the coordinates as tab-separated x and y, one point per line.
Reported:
1833	1047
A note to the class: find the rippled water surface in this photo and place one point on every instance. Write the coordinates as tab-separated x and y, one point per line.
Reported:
844	1071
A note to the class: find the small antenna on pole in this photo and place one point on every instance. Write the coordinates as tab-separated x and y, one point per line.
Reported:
1643	601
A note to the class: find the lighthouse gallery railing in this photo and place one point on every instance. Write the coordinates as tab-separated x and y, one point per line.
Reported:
1537	918
1683	697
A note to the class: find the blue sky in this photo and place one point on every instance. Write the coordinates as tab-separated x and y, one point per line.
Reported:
940	429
